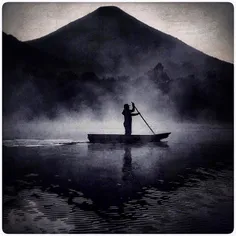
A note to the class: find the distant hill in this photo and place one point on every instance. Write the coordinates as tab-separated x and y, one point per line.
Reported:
102	57
36	83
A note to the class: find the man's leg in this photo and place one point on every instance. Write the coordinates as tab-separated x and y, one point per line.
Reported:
129	129
126	129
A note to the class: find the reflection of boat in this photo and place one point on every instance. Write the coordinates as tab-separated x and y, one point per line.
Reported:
118	138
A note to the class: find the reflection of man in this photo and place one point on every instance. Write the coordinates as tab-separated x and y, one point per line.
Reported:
128	118
127	166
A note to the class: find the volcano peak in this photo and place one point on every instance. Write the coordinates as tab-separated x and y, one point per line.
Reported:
109	11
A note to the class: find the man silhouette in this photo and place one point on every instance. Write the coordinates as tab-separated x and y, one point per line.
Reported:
128	118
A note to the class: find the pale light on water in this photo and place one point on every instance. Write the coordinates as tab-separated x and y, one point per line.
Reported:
184	185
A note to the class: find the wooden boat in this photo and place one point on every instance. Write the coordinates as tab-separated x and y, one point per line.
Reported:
119	138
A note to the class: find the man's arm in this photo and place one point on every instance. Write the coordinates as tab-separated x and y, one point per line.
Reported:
134	114
133	107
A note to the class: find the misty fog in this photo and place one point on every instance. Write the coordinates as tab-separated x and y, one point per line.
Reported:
155	106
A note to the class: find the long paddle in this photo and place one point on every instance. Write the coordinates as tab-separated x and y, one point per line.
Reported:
144	120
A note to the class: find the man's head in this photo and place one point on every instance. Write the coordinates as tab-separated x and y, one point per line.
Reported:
126	106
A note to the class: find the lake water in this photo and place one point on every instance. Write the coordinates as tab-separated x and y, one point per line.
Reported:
184	185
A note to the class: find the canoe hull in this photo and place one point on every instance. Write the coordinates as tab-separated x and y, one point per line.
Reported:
118	138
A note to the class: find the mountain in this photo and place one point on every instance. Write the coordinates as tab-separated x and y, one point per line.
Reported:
107	56
109	41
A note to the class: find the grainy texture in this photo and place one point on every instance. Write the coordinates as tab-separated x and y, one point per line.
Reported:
185	186
205	26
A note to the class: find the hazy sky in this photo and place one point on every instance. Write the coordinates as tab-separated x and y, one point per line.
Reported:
205	26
